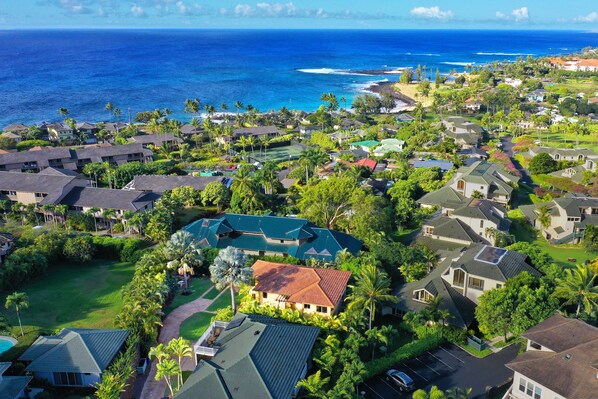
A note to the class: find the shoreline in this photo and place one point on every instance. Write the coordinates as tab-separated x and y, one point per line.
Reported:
382	88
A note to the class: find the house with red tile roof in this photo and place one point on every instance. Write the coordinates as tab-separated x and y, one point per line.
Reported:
307	289
368	163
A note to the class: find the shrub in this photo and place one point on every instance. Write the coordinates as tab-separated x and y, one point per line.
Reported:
118	228
51	244
26	145
21	266
108	247
131	250
542	164
455	335
79	249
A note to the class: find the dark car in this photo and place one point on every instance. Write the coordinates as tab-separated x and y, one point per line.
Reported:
400	379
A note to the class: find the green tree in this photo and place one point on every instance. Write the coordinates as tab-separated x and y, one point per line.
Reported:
328	201
434	393
542	164
372	288
544	216
578	288
406	76
590	238
494	312
79	249
184	254
315	385
230	269
19	301
168	369
180	349
217	194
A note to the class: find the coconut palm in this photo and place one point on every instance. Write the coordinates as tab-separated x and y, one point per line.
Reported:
108	215
48	209
180	348
17	300
167	369
372	288
93	211
109	107
577	288
62	210
63	111
230	269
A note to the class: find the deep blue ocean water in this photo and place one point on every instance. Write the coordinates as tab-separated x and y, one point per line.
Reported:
41	71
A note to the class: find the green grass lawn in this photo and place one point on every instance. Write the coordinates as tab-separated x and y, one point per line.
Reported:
192	328
198	287
212	293
475	352
192	213
75	296
223	301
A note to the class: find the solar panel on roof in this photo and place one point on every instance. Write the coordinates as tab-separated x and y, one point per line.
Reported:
235	323
491	255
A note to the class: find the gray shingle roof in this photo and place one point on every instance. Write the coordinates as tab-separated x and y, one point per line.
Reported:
75	350
445	197
454	228
260	357
95	153
105	198
256	131
54	186
486	210
161	183
155	139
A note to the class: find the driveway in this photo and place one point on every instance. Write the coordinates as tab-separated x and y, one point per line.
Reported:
446	367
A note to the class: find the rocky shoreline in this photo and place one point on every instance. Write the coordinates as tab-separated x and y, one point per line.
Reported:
386	88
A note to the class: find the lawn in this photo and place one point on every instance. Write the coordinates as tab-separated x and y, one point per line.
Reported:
192	213
198	287
192	328
222	301
75	296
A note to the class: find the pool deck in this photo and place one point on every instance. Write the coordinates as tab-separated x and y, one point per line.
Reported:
11	339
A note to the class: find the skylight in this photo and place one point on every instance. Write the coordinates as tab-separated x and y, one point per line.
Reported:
491	255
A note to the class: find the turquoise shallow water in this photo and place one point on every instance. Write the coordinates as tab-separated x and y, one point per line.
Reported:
82	70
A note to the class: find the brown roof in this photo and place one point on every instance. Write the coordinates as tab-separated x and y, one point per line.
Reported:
559	333
572	371
301	284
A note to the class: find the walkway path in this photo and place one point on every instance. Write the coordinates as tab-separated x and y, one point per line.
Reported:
153	389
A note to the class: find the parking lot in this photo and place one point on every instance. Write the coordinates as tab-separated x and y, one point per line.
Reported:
446	367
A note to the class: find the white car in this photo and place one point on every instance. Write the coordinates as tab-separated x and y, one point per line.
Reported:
400	379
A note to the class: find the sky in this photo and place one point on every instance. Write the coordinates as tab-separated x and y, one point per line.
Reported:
301	14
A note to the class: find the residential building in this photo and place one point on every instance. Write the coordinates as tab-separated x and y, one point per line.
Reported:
308	130
536	96
366	145
307	289
37	188
586	156
569	217
7	242
475	153
444	166
575	64
459	280
157	140
17	128
389	145
484	180
13	387
445	199
88	131
405	118
272	235
190	130
473	105
60	131
161	183
114	154
269	132
75	357
466	134
251	357
561	361
13	136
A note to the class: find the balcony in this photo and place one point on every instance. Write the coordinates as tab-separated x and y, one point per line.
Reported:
204	347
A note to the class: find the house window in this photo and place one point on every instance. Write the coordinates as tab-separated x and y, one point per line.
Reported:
522	384
40	195
321	309
459	278
68	379
498	285
535	346
481	223
429	230
12	193
476	283
306	306
264	295
460	185
530	389
422	296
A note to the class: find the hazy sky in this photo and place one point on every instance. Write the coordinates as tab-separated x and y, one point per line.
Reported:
397	14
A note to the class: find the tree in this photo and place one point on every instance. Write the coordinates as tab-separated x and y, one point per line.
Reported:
179	348
217	194
230	269
314	385
184	253
17	300
590	238
544	216
494	312
577	288
406	76
328	201
167	369
79	249
372	288
434	393
6	143
63	111
542	164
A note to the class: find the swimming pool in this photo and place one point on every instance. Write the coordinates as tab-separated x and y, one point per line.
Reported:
6	343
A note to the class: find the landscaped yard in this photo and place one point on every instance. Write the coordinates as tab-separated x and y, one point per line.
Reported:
75	296
198	287
192	328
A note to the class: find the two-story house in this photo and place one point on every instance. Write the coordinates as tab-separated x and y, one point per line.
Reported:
259	132
87	131
37	188
484	180
459	280
272	235
586	156
60	131
389	145
465	133
157	140
307	289
568	217
252	356
560	362
114	154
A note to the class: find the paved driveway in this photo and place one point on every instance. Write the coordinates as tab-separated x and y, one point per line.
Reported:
446	367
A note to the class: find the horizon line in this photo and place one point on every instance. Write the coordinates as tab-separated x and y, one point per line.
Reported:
139	28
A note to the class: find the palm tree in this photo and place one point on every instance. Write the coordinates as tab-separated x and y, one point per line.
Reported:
109	107
62	210
180	348
93	211
108	215
230	269
63	111
167	369
184	253
577	288
373	288
17	300
315	385
544	216
48	209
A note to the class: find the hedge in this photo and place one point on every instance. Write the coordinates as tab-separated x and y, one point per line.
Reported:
406	352
123	249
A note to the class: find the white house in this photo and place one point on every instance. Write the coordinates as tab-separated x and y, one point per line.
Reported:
484	180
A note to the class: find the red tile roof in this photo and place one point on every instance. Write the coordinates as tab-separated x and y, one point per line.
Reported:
369	163
588	62
301	284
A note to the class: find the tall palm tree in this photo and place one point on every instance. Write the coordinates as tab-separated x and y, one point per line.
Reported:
372	288
577	288
109	107
17	300
48	209
63	111
180	348
183	252
230	269
109	215
62	210
93	211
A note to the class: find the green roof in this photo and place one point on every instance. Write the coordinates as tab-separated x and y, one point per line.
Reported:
366	143
258	357
75	350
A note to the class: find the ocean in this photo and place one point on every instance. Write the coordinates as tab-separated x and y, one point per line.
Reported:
138	70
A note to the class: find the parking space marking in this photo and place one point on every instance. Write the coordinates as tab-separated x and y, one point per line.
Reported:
373	390
421	376
388	383
417	358
452	355
440	360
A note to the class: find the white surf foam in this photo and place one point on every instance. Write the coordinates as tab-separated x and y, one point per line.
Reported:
459	63
331	71
507	54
